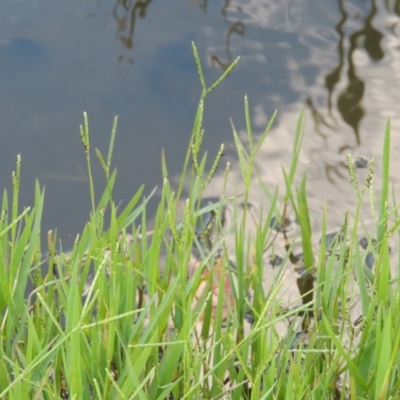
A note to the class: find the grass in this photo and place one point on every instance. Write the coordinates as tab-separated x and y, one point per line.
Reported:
156	322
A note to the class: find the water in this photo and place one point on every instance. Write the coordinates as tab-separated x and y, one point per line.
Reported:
338	60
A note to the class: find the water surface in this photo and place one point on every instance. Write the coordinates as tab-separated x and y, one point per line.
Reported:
338	60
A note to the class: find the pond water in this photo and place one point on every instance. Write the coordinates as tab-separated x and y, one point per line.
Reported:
338	60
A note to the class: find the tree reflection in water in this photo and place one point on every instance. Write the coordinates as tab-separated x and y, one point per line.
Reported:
349	100
345	88
125	13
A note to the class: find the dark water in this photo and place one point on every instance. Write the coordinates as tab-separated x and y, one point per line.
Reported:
340	60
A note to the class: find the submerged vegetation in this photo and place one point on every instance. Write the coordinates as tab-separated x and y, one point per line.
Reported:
176	313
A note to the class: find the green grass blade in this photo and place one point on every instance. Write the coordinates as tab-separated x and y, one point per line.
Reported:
385	185
198	66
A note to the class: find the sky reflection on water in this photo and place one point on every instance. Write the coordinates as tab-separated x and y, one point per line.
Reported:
338	59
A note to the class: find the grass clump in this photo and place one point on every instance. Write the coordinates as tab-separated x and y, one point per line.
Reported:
175	313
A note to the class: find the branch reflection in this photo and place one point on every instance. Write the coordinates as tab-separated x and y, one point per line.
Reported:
235	27
125	13
344	85
349	100
203	4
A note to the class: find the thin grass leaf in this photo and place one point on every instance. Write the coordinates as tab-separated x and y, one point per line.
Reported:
242	155
289	192
350	364
248	123
385	184
265	133
298	140
129	215
16	176
112	141
164	168
198	66
384	362
224	75
361	278
304	220
383	271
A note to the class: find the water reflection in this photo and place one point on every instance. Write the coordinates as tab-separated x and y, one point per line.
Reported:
349	103
126	13
202	4
345	88
235	27
396	6
337	58
358	33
